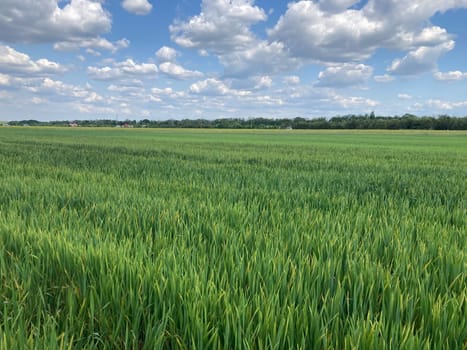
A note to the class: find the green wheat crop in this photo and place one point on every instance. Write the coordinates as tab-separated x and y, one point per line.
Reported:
194	239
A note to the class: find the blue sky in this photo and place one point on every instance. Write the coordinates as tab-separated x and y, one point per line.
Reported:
159	59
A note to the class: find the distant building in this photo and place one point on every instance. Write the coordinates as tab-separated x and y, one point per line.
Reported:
73	124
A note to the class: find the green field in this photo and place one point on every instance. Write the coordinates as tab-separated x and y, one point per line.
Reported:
196	239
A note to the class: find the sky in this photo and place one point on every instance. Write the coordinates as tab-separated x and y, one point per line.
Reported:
208	59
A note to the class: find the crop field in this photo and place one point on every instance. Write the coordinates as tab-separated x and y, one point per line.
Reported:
218	239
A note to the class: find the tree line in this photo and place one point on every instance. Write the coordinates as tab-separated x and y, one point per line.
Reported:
367	121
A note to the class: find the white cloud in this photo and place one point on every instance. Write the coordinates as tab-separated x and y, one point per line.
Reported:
262	82
137	7
429	36
93	97
334	6
222	26
104	73
446	105
126	89
176	71
96	111
203	53
265	100
17	82
421	60
5	80
326	32
130	67
331	32
404	96
166	54
60	88
161	95
250	83
47	21
123	69
214	87
343	36
354	101
37	100
292	80
92	44
261	58
451	76
80	98
164	91
345	75
169	67
93	52
15	62
70	95
415	11
386	78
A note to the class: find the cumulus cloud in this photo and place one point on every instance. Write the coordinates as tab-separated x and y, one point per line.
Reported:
27	82
332	32
93	97
5	80
421	60
261	58
343	36
446	105
130	67
159	95
73	96
52	20
213	87
70	25
292	80
121	70
166	54
265	100
104	73
15	62
345	75
415	11
37	100
98	110
334	6
451	76
137	7
385	78
263	82
171	68
354	101
222	26
176	71
404	96
92	44
126	89
60	88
